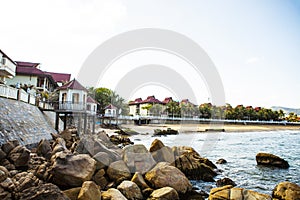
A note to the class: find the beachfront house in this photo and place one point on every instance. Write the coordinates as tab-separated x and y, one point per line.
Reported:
110	111
7	68
143	107
91	105
72	96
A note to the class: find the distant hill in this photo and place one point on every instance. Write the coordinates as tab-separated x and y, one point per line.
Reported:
287	110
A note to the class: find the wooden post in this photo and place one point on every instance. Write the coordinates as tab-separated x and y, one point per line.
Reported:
65	121
57	122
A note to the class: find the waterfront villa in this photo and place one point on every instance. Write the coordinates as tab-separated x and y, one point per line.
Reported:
91	105
7	67
110	111
141	107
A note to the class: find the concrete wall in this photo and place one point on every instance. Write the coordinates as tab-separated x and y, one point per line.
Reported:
28	80
24	122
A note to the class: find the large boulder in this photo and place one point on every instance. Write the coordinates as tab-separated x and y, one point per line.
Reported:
44	149
24	180
19	156
163	175
46	191
118	171
193	165
3	173
161	153
286	191
89	191
72	193
10	145
225	181
138	158
100	179
165	193
228	192
71	170
267	159
103	160
112	194
139	180
130	190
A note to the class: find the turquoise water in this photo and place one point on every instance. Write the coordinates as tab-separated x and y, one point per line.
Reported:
240	149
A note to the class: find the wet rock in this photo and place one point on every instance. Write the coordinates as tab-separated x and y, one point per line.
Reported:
286	191
194	195
161	153
138	158
169	131
130	190
3	173
118	171
46	191
139	180
267	159
221	161
89	191
71	170
112	194
225	181
165	193
103	160
100	179
163	175
193	166
72	193
19	156
228	192
44	149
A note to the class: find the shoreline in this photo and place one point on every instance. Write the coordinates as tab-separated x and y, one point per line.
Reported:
200	128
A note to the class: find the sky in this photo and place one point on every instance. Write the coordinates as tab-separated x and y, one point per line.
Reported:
254	44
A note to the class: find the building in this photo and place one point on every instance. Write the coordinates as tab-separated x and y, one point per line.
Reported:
72	96
60	78
7	67
141	107
110	111
91	105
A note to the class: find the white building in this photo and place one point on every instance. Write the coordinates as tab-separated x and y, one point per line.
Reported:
91	105
7	67
110	111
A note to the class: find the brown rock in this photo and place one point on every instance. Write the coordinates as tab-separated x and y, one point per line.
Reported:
103	160
130	190
44	149
19	156
112	194
3	173
267	159
286	191
2	155
100	179
89	191
165	193
163	175
161	153
72	170
8	146
118	171
225	181
72	193
139	180
138	158
24	180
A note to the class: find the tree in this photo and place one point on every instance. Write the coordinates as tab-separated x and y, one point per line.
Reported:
156	109
173	108
205	110
292	117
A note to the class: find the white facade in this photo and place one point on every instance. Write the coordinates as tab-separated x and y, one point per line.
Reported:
23	79
72	99
7	67
110	112
91	108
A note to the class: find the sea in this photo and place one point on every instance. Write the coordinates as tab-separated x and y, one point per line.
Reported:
239	150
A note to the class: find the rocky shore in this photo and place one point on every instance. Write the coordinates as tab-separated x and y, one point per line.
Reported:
101	167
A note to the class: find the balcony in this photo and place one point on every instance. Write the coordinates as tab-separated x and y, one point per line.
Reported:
7	68
71	106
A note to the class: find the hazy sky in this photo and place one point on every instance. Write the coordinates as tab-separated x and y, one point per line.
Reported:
255	44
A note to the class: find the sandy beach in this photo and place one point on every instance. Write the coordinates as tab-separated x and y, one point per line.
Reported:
192	128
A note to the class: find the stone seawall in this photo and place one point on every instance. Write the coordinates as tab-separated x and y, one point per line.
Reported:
23	122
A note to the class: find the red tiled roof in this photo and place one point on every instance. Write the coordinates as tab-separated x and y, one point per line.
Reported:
110	106
74	84
136	101
91	100
29	71
151	99
6	56
27	64
60	77
167	100
186	101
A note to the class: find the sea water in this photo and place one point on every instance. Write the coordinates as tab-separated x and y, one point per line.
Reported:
240	149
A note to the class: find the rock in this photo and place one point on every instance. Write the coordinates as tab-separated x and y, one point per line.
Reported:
112	194
8	146
89	191
118	171
2	155
103	160
286	191
169	131
161	153
8	185
24	180
44	149
163	175
71	170
221	161
5	194
3	173
195	167
120	140
225	181
19	156
59	146
139	180
271	160
130	190
100	179
46	191
69	135
138	158
165	193
228	192
72	193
